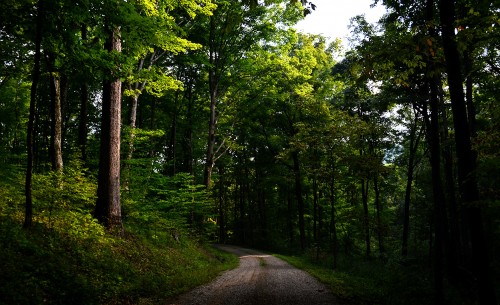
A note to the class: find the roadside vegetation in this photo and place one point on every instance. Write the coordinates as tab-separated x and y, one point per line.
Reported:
362	282
68	258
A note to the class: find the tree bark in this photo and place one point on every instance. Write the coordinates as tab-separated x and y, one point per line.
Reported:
108	208
212	122
171	148
315	210
300	200
333	223
467	184
437	190
134	101
378	207
290	217
187	140
28	212
222	207
56	123
82	125
366	220
414	141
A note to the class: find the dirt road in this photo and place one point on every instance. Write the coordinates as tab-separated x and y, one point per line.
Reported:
260	279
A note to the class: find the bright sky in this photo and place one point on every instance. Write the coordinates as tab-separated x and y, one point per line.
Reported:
331	17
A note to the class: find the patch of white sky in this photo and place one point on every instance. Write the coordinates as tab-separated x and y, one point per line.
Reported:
331	18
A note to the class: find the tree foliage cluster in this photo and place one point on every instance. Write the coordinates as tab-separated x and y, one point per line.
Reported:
237	128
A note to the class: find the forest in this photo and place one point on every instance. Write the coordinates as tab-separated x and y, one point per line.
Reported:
134	133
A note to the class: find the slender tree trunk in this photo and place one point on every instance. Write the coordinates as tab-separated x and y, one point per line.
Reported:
414	140
437	189
213	84
108	208
366	220
83	123
454	235
222	208
132	123
471	108
261	202
210	158
187	142
300	200
28	213
315	210
171	150
82	126
290	217
467	184
56	123
380	225
333	223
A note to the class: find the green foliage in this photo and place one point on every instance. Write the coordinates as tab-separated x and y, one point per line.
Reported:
14	102
45	266
171	206
64	201
68	258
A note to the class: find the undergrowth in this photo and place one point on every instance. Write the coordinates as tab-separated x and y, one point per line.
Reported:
41	266
68	258
358	281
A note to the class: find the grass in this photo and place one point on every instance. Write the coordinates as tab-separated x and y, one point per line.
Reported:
358	281
43	266
262	262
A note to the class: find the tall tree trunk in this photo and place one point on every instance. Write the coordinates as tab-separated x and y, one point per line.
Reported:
414	141
28	213
261	202
471	108
132	123
378	207
84	96
432	124
222	207
56	123
213	83
212	122
333	223
300	200
171	149
467	184
290	217
187	141
82	125
366	219
454	236
108	208
315	210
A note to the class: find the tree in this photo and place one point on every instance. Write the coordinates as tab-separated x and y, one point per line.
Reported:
108	206
234	29
165	38
40	15
467	183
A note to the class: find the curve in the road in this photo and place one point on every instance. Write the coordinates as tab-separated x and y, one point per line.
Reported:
260	279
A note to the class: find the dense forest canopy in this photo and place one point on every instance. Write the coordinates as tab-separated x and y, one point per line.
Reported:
217	118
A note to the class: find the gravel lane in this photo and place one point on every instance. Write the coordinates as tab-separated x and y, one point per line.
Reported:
260	279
